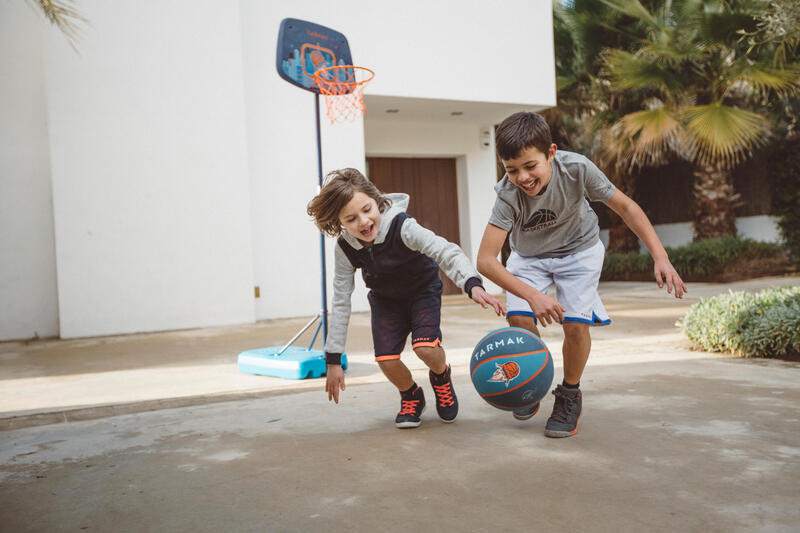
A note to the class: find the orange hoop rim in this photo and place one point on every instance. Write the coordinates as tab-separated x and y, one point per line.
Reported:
323	83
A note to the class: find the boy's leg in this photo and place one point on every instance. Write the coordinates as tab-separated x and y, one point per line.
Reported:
433	357
524	322
426	338
412	399
397	373
576	277
439	375
577	345
534	273
563	422
390	326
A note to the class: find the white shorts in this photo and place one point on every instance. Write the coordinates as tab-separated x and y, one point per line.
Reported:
576	277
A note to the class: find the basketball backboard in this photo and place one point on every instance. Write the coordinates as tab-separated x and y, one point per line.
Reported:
305	47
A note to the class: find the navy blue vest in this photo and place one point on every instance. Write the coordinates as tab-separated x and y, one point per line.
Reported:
391	269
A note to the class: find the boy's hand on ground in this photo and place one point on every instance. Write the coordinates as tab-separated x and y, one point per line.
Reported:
546	308
484	298
665	272
334	382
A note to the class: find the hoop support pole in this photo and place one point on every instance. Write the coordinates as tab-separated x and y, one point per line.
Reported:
324	311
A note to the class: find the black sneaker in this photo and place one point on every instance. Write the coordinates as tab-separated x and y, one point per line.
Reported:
446	401
566	412
524	414
411	406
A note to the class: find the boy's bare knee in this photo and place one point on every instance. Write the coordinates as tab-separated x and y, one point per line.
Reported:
522	321
427	353
519	321
433	357
389	364
575	329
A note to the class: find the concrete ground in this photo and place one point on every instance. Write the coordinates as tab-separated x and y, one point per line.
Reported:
160	432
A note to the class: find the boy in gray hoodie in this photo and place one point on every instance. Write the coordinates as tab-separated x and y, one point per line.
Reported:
398	259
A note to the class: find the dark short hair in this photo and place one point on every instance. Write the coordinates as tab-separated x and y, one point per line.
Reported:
521	131
340	187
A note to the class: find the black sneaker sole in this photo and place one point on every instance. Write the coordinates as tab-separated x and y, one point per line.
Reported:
446	421
525	417
410	424
559	434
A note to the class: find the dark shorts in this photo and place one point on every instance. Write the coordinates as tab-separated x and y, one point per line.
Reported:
393	320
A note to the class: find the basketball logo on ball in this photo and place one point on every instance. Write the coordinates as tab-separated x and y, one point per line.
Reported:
511	368
505	372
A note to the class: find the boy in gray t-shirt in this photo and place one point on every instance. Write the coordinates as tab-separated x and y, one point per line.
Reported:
542	206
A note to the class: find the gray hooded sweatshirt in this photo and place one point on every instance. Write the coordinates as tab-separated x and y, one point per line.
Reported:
451	259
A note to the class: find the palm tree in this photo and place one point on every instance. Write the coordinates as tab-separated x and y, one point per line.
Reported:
589	105
700	85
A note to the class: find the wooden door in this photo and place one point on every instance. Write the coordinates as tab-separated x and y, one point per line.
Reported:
432	186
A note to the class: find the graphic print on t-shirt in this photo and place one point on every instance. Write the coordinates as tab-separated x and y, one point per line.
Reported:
543	218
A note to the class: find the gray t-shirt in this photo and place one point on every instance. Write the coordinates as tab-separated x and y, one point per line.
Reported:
559	221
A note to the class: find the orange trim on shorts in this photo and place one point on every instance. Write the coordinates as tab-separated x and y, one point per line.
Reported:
387	357
431	344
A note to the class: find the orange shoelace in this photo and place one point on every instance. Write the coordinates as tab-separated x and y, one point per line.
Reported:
444	394
409	407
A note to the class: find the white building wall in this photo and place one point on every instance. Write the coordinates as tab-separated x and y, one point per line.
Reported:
398	45
468	50
283	167
28	301
149	168
760	228
178	164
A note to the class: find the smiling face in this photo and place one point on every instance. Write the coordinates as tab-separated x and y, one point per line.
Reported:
361	218
531	170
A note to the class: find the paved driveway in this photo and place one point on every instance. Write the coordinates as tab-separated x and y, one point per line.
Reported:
670	440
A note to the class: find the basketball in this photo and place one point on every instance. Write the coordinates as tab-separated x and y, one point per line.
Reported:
511	368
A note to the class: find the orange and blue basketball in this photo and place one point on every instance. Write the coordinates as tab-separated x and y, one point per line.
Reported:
511	368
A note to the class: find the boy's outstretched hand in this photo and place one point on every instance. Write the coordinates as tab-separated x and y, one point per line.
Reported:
334	382
546	309
665	272
483	298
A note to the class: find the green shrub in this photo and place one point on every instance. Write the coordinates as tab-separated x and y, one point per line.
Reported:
764	324
784	177
695	260
624	266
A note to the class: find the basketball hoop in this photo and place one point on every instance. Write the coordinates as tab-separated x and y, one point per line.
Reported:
343	89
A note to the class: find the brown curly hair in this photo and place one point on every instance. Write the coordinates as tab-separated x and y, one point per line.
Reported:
340	186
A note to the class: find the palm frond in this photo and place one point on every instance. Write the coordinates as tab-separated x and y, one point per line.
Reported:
673	53
724	134
635	9
628	71
725	25
652	134
767	78
565	82
63	15
651	127
785	50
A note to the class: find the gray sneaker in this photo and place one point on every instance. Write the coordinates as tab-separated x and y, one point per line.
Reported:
524	414
566	412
